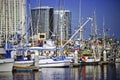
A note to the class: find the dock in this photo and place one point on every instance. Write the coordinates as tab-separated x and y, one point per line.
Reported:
106	62
25	68
75	64
83	64
92	63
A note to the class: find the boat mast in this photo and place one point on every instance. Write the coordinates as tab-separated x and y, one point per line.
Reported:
94	28
104	42
31	29
61	26
0	28
95	25
94	35
22	24
39	16
27	24
61	22
6	22
1	25
80	15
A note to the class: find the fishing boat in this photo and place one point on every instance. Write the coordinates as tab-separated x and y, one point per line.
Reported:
60	61
91	56
6	64
89	60
47	56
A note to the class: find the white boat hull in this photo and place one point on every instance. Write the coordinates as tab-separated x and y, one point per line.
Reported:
23	63
6	64
92	60
52	63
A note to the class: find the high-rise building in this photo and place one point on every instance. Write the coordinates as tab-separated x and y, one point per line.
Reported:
62	24
42	21
12	16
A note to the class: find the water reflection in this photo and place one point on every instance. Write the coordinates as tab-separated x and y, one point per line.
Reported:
100	72
103	72
108	72
20	75
6	76
55	74
89	73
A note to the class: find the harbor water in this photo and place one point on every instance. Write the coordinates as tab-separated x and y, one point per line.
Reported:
97	72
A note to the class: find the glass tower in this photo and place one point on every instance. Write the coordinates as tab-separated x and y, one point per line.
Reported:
62	24
42	21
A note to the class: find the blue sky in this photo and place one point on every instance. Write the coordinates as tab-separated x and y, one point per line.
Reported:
109	9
